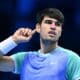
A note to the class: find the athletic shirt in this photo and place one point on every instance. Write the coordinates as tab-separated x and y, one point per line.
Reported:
59	64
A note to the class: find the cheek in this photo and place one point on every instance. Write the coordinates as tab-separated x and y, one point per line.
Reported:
59	32
43	29
43	32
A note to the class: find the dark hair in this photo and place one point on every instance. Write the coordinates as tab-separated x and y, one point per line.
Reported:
52	13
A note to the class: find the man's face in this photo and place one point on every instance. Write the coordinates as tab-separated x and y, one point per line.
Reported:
50	29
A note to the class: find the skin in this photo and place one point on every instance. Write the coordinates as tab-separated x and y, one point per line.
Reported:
49	36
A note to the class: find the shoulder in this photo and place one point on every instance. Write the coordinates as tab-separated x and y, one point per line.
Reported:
69	52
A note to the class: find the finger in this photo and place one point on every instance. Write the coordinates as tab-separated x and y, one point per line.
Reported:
27	32
34	31
31	32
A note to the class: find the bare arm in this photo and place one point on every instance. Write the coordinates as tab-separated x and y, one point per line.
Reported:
21	35
6	64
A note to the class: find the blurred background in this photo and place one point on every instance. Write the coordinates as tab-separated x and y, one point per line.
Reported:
21	13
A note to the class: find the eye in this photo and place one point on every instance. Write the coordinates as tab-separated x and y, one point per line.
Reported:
48	21
58	23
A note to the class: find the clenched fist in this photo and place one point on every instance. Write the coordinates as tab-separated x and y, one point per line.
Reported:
23	35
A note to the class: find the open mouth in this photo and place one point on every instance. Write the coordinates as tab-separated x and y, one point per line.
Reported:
52	33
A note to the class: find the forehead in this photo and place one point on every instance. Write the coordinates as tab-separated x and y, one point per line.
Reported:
48	18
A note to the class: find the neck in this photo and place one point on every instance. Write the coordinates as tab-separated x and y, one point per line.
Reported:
48	46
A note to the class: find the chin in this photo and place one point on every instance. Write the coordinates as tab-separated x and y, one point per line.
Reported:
51	40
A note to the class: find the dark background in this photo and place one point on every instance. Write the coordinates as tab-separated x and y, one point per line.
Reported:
21	13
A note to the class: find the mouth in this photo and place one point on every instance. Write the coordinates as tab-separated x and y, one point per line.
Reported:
52	33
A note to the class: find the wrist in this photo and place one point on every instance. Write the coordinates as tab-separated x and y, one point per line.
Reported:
7	45
15	39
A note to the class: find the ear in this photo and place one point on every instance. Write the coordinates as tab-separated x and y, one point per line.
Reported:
38	27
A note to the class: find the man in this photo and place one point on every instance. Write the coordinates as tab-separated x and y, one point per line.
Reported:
50	62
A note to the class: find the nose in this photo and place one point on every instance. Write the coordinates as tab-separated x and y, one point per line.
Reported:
53	25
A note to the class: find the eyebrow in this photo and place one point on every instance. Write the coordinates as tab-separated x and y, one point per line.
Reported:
51	21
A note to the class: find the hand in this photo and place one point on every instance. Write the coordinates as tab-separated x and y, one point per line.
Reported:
23	35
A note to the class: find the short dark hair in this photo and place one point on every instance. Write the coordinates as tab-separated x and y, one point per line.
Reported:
52	13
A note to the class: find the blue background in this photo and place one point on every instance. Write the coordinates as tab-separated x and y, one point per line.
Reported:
21	13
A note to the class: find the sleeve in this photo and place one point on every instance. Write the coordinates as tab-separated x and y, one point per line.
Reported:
73	67
18	59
